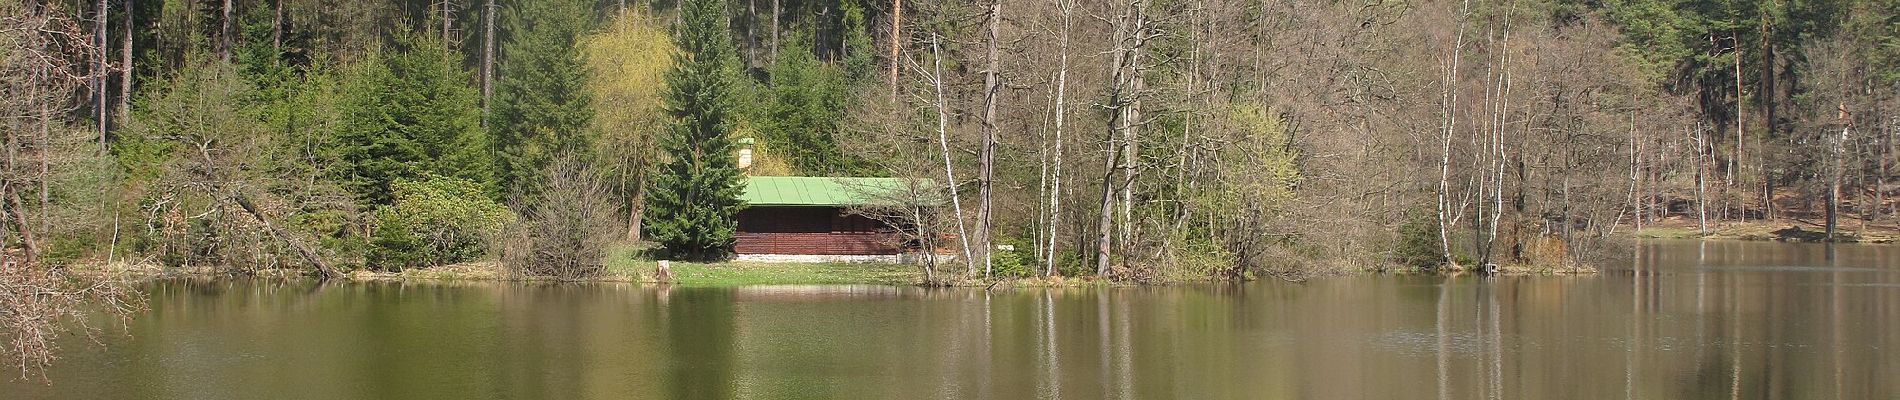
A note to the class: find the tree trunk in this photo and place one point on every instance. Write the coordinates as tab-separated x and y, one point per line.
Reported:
1701	178
448	18
943	144
1123	102
1736	175
29	248
1769	96
1881	166
1055	189
45	142
277	27
1636	174
1130	120
309	255
636	213
226	31
1448	106
1106	223
234	195
125	71
775	14
986	162
488	59
1834	188
102	68
897	40
751	34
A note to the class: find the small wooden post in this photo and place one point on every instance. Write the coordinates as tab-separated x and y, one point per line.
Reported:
663	273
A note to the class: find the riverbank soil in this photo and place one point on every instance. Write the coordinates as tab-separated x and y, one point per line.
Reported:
1780	230
1797	218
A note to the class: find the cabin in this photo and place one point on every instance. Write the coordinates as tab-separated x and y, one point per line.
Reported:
798	218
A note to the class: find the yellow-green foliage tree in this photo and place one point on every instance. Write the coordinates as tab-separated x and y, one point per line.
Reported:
626	60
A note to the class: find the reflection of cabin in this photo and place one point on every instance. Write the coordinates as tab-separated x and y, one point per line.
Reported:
790	218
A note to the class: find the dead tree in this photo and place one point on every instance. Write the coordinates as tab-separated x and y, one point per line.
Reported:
233	193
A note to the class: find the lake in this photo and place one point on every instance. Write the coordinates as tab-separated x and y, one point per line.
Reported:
1687	320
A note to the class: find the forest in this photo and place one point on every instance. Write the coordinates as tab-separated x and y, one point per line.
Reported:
1131	139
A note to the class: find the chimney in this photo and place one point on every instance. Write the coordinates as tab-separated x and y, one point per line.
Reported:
745	153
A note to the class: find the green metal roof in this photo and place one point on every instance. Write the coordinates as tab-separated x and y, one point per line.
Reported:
825	191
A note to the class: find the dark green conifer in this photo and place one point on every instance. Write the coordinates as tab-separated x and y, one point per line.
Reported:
543	107
695	194
408	113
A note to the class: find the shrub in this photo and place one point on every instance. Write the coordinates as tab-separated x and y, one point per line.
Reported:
1016	263
435	222
565	233
1419	244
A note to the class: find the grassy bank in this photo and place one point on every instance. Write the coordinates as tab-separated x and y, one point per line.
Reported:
1783	230
625	260
625	263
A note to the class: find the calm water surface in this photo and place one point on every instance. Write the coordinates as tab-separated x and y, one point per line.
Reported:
1688	320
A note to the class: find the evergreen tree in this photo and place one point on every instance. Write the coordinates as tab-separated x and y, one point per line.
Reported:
860	54
805	112
696	194
543	107
411	113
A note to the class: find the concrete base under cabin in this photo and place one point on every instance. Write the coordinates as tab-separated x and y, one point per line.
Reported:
906	258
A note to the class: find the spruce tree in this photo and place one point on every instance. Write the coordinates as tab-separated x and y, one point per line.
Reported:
410	113
695	195
543	107
805	111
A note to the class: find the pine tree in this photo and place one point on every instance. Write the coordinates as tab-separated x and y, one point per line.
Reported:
695	195
410	113
543	107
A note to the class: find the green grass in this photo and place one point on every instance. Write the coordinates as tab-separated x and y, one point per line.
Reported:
625	260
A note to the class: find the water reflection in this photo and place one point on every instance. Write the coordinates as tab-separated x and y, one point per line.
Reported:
1684	320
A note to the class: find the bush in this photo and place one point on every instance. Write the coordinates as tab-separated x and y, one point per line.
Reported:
565	232
435	222
1419	243
1017	263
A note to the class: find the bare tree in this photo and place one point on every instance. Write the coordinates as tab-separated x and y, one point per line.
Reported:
1701	179
986	160
1129	41
936	81
1067	10
912	214
1839	169
1447	126
563	236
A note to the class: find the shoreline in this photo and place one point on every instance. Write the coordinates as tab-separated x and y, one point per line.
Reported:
738	274
1779	230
